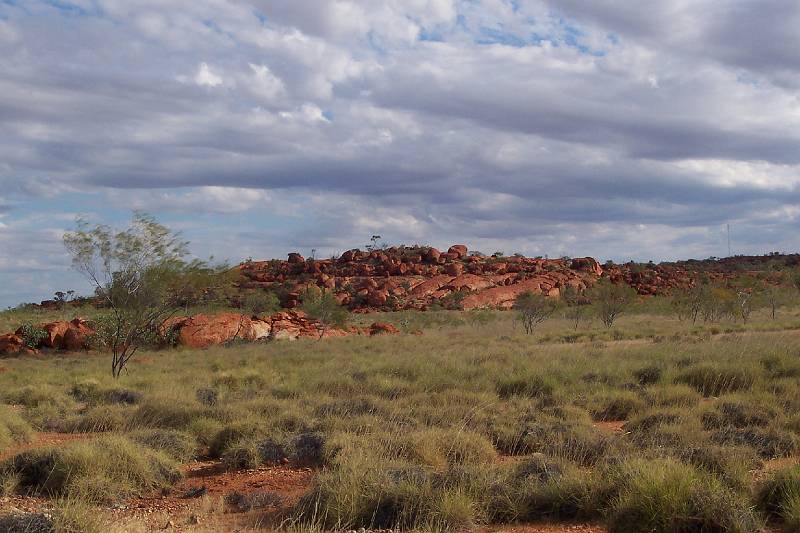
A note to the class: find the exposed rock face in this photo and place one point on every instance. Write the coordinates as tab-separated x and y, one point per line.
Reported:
418	277
202	331
13	345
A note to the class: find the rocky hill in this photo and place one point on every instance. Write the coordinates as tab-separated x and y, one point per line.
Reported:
419	278
422	277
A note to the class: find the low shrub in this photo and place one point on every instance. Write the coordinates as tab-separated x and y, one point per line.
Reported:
673	396
164	414
102	470
98	419
230	435
667	496
716	379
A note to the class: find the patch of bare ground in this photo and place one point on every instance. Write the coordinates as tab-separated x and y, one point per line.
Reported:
44	440
545	527
611	426
209	498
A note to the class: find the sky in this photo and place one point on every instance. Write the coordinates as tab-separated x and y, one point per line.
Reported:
620	129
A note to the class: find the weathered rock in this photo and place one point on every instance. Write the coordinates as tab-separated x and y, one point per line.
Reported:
454	269
295	258
382	328
587	264
13	345
458	249
432	255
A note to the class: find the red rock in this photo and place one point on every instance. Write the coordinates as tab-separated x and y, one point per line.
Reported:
458	249
295	258
382	328
432	255
501	297
454	269
429	286
12	344
470	282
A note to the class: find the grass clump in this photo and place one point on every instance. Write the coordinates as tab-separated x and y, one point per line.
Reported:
617	406
779	497
102	470
533	386
717	379
668	496
176	444
13	428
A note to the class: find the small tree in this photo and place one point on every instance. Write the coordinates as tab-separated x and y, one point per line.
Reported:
611	299
140	274
323	306
688	302
534	309
575	304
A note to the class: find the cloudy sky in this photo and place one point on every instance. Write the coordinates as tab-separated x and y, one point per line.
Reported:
616	128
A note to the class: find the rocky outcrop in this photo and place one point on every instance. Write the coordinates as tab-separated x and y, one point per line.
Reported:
418	278
203	331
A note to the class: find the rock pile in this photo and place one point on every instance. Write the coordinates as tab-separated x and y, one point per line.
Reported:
419	277
202	331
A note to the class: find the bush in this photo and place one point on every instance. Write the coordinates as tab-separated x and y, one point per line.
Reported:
617	406
715	380
101	470
231	435
779	497
668	496
164	414
308	449
98	419
32	335
533	309
611	299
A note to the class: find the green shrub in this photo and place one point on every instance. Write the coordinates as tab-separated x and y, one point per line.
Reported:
715	380
98	419
101	470
32	335
230	435
164	414
769	442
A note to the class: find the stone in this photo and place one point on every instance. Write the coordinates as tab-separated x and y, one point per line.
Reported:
458	249
295	258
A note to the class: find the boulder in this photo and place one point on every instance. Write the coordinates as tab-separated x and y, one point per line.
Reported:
454	269
295	258
587	264
458	249
432	255
501	297
12	344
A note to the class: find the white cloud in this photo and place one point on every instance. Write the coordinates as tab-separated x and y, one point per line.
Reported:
204	76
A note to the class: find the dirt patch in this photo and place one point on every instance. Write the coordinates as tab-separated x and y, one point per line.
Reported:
615	426
44	440
202	500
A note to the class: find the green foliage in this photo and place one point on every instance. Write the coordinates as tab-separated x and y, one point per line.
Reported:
323	306
533	309
141	275
261	302
32	335
13	428
611	299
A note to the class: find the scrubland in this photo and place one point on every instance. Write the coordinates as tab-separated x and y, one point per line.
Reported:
652	425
